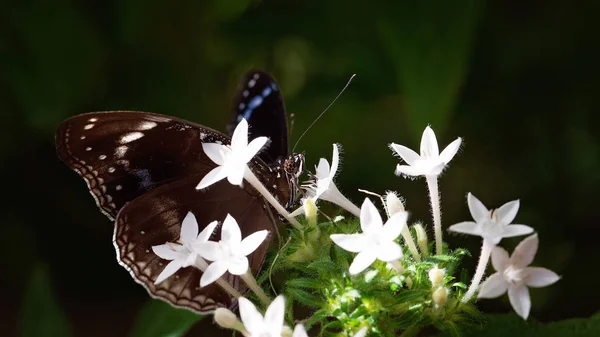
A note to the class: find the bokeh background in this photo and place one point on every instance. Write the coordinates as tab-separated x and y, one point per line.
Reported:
517	80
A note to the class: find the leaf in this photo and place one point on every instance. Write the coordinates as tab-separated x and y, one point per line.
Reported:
304	297
41	314
409	295
159	319
305	283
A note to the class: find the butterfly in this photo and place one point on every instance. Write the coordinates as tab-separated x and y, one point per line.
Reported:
142	169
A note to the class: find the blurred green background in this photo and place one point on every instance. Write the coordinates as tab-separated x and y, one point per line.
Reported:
518	80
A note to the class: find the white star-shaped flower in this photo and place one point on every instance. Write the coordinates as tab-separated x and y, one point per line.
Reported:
514	275
494	224
271	325
324	188
431	162
231	159
376	241
182	255
230	253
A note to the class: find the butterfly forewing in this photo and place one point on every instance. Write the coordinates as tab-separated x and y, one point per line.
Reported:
156	217
123	154
259	101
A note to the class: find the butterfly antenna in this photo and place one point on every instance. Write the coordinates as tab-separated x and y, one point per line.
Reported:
322	113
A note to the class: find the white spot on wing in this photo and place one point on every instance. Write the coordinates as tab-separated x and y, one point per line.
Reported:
256	76
245	93
242	106
88	148
147	125
89	126
102	157
111	169
251	83
130	137
202	135
118	187
121	150
92	120
82	137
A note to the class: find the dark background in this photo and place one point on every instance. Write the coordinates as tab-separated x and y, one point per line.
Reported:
516	79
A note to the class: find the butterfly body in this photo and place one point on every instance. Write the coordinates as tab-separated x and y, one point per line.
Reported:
142	169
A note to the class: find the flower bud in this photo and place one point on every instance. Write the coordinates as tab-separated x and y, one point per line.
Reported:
393	203
421	239
227	319
436	276
440	296
310	211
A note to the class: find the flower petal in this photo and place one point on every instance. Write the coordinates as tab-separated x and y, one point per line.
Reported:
466	227
189	229
252	319
212	273
335	161
239	139
370	220
299	331
362	261
493	286
218	153
389	251
351	242
251	242
237	265
322	170
168	251
208	250
409	171
235	174
230	233
479	212
362	332
215	175
500	259
169	270
516	230
540	277
408	155
274	315
207	232
429	145
519	299
394	226
254	147
525	251
507	212
450	151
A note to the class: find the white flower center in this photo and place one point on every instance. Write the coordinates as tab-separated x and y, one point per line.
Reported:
514	275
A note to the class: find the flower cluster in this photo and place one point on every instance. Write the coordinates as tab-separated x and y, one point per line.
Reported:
390	285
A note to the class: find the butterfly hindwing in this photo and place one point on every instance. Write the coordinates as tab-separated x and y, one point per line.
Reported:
123	154
259	101
156	217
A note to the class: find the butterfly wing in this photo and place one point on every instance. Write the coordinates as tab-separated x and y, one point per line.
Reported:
259	101
156	217
124	154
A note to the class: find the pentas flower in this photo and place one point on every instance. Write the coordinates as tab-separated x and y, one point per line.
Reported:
377	241
430	162
494	224
271	325
182	254
324	188
231	159
230	253
514	275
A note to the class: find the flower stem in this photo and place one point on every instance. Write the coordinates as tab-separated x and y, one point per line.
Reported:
408	239
201	264
486	251
334	195
251	282
253	180
397	266
434	195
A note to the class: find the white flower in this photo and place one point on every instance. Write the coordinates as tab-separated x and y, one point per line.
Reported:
324	188
231	159
492	225
514	275
376	241
299	331
229	254
430	162
182	255
271	325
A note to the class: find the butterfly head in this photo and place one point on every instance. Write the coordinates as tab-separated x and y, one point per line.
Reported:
294	164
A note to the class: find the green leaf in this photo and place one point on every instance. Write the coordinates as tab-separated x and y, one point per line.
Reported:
304	297
159	319
41	314
305	283
409	295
